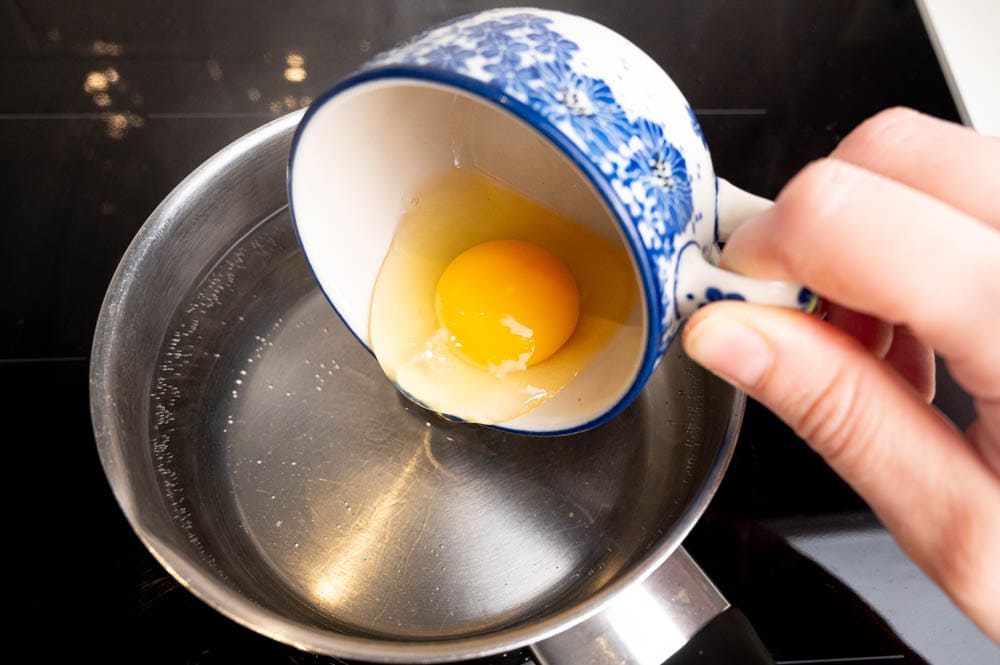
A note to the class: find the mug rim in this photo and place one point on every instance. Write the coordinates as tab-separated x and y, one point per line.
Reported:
523	112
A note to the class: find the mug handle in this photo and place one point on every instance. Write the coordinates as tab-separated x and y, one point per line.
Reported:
700	281
675	616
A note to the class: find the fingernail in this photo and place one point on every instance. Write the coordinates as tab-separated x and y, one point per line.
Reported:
730	349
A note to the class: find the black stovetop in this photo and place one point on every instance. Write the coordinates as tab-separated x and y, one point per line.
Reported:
108	105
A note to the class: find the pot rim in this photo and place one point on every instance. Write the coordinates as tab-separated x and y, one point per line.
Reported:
112	322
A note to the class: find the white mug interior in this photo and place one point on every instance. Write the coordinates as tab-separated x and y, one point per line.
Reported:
361	155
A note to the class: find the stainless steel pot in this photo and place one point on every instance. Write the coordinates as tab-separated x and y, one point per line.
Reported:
262	457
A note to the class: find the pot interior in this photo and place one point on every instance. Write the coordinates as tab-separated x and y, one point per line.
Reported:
251	438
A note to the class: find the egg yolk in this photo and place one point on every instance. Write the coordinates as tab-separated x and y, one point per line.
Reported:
507	304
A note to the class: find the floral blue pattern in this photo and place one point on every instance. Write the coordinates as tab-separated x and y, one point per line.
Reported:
696	126
584	104
523	56
496	43
552	43
449	56
713	294
508	76
482	30
659	181
525	20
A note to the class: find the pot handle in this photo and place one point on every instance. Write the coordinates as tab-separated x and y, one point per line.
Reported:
675	616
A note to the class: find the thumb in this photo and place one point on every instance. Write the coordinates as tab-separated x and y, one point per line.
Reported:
909	463
833	392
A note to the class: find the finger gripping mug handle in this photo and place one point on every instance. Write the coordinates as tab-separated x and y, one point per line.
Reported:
699	281
735	207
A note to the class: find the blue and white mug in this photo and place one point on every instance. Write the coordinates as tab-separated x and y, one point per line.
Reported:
565	110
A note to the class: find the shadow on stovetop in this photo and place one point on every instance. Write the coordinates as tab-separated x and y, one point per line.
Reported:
801	612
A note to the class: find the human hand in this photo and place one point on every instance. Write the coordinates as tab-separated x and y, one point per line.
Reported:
899	229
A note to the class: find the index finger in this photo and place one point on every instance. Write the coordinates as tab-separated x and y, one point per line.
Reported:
888	250
952	163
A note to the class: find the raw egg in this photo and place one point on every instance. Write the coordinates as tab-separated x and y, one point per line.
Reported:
507	304
488	303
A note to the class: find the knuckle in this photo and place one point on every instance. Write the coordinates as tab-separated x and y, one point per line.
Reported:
813	196
927	385
969	551
984	268
840	421
927	390
882	131
808	207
